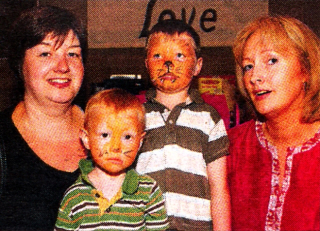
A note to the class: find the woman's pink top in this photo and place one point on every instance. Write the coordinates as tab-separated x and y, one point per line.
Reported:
258	202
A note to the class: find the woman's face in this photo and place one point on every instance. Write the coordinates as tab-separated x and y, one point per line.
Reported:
52	71
273	79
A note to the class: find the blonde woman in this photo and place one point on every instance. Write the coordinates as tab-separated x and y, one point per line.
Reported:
274	161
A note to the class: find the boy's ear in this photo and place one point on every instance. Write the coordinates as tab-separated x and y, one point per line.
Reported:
198	66
84	138
141	139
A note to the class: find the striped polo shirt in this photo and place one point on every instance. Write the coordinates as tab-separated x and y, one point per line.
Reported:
177	148
141	206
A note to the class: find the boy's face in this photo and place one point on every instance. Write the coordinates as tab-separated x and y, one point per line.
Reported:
172	62
113	138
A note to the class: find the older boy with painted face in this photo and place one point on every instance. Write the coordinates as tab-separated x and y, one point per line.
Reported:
186	144
109	194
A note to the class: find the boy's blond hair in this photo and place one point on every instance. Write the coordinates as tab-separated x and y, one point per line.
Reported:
117	100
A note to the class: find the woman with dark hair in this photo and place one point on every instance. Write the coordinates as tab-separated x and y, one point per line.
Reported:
40	145
274	161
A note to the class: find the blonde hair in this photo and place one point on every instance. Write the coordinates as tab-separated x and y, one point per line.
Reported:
117	100
287	32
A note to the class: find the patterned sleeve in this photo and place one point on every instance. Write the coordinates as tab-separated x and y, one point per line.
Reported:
155	213
64	221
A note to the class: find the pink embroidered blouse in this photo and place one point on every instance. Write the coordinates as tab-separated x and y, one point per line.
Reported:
258	202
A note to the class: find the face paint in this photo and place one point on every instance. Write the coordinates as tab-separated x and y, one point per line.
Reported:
114	139
172	62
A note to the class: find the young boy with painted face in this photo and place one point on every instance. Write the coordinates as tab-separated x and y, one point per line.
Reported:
109	194
186	145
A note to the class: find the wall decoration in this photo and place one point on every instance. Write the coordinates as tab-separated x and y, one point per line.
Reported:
125	23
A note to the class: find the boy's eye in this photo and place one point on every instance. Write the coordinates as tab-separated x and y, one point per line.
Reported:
127	137
180	55
105	135
272	61
156	56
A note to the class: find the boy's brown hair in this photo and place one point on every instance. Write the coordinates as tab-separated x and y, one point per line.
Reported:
175	26
118	100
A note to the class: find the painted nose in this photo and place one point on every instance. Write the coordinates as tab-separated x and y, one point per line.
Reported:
168	64
114	146
62	65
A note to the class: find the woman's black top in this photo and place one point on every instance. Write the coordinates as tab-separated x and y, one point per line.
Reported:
31	190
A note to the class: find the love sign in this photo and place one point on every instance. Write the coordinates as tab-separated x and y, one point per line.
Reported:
125	23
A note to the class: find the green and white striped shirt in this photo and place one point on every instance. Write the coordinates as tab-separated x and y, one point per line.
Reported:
141	206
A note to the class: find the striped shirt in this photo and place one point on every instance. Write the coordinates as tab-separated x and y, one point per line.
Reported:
177	148
141	206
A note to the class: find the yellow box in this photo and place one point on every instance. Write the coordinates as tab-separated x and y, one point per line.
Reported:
210	85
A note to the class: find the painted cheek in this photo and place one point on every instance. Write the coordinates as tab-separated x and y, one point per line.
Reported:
154	73
156	65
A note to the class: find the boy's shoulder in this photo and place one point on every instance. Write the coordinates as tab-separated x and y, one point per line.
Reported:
77	192
133	177
136	183
78	186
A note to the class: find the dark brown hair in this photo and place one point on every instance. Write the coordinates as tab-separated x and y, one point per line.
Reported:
34	25
175	26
